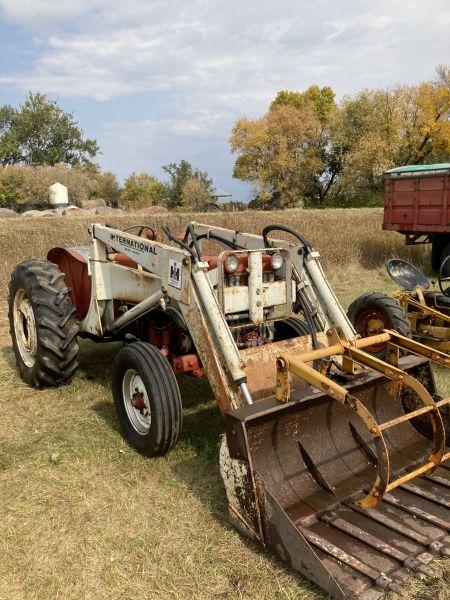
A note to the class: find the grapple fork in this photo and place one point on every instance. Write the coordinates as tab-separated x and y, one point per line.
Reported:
324	476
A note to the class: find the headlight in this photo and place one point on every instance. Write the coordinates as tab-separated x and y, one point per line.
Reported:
277	261
231	263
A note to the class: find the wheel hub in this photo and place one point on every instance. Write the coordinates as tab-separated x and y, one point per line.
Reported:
25	327
370	322
136	402
375	326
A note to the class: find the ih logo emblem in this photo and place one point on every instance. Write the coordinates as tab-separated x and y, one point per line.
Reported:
174	273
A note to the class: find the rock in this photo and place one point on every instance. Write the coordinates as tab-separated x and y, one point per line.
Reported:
108	210
39	213
7	213
46	213
71	209
30	213
62	211
92	203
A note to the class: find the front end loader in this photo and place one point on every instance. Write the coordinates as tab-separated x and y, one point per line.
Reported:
332	457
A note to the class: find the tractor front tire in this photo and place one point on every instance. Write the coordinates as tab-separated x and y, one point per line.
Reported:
42	324
373	312
147	398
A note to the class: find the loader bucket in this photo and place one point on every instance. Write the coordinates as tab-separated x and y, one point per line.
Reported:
294	473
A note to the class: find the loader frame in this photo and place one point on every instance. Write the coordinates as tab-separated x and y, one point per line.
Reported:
427	323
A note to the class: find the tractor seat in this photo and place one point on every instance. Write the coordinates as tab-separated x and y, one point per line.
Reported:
437	300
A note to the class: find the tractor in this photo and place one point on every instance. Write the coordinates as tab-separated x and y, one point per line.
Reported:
332	457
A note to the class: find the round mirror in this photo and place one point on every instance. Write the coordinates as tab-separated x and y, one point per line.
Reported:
406	275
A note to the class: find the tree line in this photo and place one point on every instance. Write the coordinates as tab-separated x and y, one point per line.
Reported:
41	143
308	150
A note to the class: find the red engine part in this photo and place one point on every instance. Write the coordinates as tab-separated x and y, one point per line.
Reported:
188	363
243	262
122	259
170	342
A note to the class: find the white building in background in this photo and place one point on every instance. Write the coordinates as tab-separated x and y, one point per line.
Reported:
58	195
221	197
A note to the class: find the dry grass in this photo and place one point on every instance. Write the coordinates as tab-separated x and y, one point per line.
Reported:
84	516
346	239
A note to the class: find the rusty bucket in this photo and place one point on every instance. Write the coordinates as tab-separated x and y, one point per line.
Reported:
296	475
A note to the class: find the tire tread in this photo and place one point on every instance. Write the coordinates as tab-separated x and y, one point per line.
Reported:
56	324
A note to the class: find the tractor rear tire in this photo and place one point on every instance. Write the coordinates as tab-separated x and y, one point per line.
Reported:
373	312
147	398
42	324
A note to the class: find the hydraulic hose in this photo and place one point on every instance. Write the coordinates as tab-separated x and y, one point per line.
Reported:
180	243
217	238
194	241
300	300
300	238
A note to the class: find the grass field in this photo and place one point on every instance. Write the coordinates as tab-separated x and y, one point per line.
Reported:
84	516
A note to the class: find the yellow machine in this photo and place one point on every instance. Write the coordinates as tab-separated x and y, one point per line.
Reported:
417	310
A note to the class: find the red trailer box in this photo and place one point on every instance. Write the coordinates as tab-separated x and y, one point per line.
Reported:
417	204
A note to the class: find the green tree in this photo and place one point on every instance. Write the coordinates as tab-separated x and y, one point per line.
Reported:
40	132
179	174
195	194
141	190
108	188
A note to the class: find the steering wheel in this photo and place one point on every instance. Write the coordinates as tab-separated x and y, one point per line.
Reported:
150	234
444	277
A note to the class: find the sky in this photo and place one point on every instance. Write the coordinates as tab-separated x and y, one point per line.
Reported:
159	81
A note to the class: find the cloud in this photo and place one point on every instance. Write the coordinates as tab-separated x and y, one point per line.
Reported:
216	60
123	48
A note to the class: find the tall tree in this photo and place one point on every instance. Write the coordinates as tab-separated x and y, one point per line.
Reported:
181	173
195	194
39	132
288	154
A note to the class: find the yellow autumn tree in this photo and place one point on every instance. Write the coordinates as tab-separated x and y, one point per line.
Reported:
309	150
278	154
195	195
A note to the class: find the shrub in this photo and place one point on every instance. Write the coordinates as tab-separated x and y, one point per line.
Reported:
22	186
108	188
141	190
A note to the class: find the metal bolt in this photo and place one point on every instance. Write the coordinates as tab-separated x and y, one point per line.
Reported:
373	430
